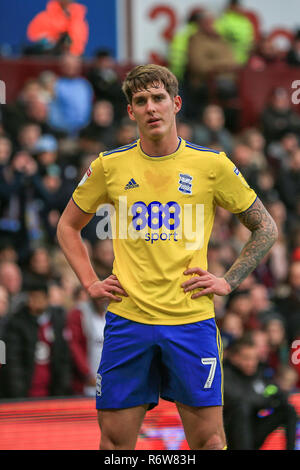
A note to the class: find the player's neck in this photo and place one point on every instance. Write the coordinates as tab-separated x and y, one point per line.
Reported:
165	146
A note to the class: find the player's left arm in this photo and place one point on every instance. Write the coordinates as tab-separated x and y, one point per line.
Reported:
263	235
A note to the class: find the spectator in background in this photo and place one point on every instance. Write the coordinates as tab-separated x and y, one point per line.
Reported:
234	26
37	351
37	113
265	54
279	256
27	198
242	157
106	81
239	235
47	80
278	117
293	55
279	151
288	182
212	130
103	258
185	129
56	191
7	251
67	281
61	28
209	57
28	137
38	267
286	378
4	309
45	151
294	242
263	309
86	323
5	149
232	328
178	47
255	140
71	107
14	114
279	348
264	186
1	124
11	279
35	110
56	294
247	393
260	339
289	304
295	255
226	255
18	185
102	128
126	133
239	302
266	274
222	227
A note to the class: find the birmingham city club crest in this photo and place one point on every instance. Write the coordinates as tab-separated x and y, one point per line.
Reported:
185	183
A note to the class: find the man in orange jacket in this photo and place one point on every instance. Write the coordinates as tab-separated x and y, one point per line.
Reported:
62	18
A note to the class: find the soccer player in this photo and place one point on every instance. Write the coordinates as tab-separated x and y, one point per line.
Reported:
160	337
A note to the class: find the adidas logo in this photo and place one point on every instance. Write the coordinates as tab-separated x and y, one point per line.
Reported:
131	184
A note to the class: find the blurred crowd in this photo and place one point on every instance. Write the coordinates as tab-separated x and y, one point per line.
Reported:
49	135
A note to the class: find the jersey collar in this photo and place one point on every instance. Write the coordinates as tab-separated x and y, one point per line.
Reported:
159	158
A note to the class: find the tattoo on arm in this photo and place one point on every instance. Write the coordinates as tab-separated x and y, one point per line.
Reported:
263	236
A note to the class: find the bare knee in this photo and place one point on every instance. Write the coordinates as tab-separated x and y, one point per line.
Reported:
119	428
214	442
205	441
116	439
110	443
106	443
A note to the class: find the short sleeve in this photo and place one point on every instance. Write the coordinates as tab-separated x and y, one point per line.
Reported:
232	191
91	190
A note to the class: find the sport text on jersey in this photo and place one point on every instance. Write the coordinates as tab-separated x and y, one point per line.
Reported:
154	223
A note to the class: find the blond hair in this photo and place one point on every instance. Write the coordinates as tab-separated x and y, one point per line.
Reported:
143	76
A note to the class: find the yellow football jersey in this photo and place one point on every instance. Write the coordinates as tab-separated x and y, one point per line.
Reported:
162	212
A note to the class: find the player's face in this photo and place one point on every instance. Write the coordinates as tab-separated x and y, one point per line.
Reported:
246	360
154	111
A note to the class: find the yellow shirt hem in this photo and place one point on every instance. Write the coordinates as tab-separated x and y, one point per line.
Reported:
162	321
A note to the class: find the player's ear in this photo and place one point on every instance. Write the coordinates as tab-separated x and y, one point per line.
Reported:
177	103
130	112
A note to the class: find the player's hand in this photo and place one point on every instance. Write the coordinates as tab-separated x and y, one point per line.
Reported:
107	289
206	281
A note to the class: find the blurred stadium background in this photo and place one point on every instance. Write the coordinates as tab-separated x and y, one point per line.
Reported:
71	424
58	111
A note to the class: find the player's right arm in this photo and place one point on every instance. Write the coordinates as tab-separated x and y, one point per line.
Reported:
71	222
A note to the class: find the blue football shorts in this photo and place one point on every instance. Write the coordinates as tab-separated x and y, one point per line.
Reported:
141	362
